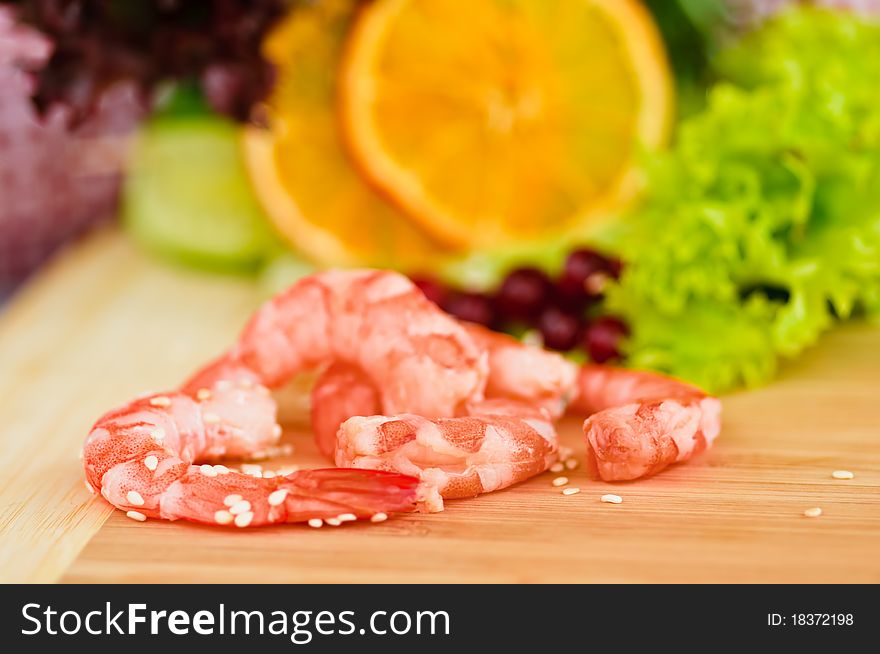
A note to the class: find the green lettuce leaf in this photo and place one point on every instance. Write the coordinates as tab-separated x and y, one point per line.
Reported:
761	226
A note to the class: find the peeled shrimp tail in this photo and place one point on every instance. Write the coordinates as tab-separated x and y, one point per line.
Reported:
142	459
642	422
298	497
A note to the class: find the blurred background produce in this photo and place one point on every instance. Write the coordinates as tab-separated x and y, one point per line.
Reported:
761	225
57	175
187	195
686	185
313	193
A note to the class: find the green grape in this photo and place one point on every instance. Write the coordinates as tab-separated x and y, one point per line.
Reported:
187	195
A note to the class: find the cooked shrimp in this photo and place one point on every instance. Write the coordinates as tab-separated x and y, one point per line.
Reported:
375	321
499	443
493	444
341	392
521	372
641	422
142	458
405	390
390	351
420	359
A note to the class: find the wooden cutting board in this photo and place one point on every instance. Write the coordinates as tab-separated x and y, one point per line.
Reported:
105	322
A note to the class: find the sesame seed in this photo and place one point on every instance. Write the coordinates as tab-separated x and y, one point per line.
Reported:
152	462
815	512
136	515
243	519
210	418
203	394
134	498
158	434
250	468
565	452
379	517
316	522
571	491
560	481
276	431
260	454
557	467
276	498
229	500
571	464
223	517
221	469
207	470
268	474
281	450
160	401
842	474
89	488
610	498
242	506
347	517
333	522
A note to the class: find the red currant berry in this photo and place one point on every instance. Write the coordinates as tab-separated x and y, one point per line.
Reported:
602	338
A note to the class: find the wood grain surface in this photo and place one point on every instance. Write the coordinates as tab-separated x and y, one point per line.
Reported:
106	322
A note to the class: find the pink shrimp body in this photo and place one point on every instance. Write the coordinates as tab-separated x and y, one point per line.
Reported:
494	444
498	444
522	372
642	422
376	321
341	392
142	456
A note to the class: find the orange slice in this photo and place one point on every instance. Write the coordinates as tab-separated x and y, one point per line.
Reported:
302	176
504	120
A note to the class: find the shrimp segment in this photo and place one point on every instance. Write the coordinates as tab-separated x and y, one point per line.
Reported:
421	359
524	373
498	444
642	422
142	456
341	392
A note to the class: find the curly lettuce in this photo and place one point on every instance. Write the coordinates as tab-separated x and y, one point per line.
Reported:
761	226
